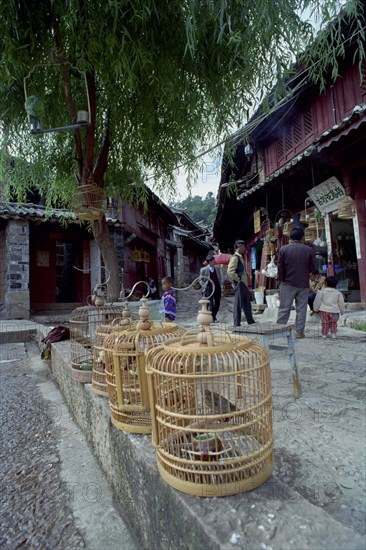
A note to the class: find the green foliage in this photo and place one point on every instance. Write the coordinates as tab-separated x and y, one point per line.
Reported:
199	209
169	73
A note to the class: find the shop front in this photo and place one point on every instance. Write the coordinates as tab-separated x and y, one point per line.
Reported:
337	242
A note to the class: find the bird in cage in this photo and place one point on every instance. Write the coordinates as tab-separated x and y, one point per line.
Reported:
219	403
35	109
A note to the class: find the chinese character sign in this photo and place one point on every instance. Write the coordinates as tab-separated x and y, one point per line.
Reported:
326	195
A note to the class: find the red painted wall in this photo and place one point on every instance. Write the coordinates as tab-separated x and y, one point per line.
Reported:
326	110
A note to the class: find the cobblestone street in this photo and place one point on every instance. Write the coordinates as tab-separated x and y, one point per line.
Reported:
55	496
43	505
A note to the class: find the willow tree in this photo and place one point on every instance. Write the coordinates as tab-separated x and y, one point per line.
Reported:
161	77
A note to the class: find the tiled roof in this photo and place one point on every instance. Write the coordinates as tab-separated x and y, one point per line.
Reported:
15	211
349	123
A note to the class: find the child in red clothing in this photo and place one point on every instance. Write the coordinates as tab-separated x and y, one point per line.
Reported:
330	303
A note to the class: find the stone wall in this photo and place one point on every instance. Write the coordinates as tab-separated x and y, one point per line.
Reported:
15	254
3	271
272	516
160	516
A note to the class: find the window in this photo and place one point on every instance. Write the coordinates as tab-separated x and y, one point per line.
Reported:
294	136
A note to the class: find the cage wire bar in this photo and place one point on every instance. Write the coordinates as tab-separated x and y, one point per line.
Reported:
102	353
211	404
125	356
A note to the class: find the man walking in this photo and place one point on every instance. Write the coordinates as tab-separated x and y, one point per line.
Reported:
295	261
212	273
236	272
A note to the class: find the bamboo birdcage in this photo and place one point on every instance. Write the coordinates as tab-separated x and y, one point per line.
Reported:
136	255
125	373
315	223
287	227
346	208
89	202
100	355
84	321
303	217
211	405
310	234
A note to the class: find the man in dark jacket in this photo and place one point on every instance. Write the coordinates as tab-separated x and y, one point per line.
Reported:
236	272
295	262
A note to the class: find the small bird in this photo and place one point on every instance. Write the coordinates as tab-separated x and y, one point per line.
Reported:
35	109
219	403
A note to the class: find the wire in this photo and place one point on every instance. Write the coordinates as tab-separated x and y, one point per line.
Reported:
252	126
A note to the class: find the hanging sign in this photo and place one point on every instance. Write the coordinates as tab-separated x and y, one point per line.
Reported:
357	237
257	221
326	195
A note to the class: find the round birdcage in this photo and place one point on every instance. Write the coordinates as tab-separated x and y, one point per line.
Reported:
84	321
89	202
99	382
315	223
287	227
346	208
303	217
310	234
211	406
125	356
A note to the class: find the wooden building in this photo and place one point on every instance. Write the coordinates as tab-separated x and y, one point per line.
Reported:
47	266
301	158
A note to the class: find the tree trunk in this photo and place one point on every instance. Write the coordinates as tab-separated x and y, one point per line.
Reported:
105	244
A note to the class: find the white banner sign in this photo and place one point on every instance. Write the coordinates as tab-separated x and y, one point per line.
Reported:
357	237
326	195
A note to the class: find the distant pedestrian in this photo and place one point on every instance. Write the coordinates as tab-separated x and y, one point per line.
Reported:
330	303
153	290
237	273
316	283
169	299
215	276
295	261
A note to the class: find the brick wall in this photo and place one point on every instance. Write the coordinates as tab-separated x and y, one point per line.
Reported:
16	277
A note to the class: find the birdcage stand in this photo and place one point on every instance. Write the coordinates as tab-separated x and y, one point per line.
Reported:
265	333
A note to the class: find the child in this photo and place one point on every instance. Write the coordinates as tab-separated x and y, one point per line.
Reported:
169	300
329	302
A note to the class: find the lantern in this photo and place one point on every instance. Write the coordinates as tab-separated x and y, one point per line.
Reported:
211	407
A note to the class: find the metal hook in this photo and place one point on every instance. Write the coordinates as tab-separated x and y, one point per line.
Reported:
91	269
198	279
132	291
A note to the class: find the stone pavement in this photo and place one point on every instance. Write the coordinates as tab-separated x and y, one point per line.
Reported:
315	499
53	494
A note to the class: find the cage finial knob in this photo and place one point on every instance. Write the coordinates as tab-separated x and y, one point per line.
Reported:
204	319
144	314
126	315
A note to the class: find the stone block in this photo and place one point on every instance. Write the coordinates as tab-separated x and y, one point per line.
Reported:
165	518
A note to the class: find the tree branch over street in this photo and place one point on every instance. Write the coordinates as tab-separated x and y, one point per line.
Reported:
161	78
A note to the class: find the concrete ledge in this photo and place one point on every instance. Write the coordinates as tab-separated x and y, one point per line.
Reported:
272	516
14	332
